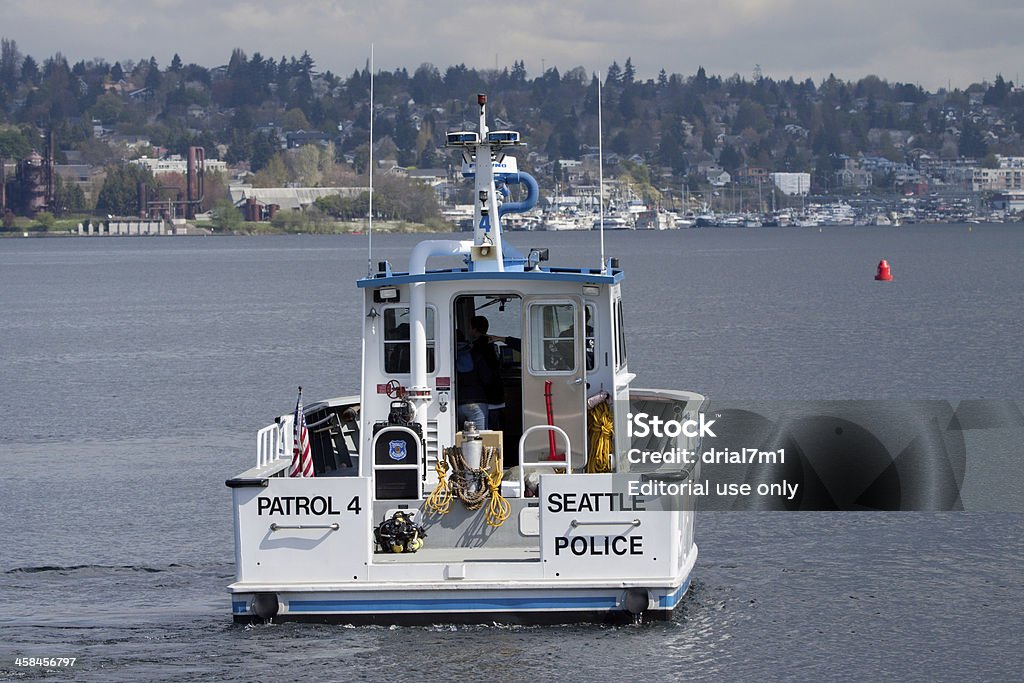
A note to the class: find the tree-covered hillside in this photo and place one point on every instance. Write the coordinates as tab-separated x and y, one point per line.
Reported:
244	111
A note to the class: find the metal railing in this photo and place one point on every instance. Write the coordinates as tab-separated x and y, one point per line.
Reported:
550	464
274	442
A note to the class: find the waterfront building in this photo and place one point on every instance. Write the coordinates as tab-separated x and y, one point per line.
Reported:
792	184
998	179
176	164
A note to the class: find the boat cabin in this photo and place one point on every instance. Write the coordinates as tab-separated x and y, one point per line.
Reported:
558	337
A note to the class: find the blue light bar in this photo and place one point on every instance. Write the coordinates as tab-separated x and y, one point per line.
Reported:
463	137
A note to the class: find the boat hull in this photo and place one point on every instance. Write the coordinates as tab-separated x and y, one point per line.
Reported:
586	550
466	605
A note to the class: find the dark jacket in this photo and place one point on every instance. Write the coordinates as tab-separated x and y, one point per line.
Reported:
483	383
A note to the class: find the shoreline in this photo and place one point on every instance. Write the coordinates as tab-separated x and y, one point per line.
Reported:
408	229
257	229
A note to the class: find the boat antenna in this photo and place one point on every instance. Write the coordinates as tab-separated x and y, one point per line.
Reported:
600	171
369	228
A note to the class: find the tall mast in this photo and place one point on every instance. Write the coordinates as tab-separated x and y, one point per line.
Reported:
369	229
484	160
487	235
600	170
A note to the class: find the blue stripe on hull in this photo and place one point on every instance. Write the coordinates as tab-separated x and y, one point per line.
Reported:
672	599
448	605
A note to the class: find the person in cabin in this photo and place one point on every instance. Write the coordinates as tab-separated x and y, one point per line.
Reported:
478	375
398	355
589	343
560	356
514	343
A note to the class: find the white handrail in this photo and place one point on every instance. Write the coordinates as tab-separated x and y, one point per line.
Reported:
266	440
274	442
567	463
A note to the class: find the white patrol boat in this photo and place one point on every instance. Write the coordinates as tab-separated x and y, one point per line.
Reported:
408	514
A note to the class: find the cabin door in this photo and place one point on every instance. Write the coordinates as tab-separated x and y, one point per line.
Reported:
554	375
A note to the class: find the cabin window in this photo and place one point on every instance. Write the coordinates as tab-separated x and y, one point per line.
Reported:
620	336
590	342
553	338
397	346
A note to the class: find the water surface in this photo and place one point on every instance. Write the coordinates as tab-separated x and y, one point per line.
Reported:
136	372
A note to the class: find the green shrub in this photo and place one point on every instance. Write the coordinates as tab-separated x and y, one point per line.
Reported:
45	219
225	216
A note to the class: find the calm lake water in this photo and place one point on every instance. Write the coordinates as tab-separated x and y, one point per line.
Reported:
136	372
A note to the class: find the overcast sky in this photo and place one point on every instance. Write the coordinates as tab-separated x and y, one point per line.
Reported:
930	42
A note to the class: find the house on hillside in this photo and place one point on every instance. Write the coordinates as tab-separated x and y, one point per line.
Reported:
714	174
852	176
142	95
88	178
431	176
300	138
752	176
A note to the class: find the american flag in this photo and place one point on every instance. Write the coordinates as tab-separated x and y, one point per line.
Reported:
302	458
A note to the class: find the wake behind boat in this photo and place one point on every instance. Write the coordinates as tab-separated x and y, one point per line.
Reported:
437	495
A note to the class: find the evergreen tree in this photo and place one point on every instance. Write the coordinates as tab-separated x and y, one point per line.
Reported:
730	159
237	63
306	64
119	194
671	149
428	157
996	94
790	159
826	140
30	70
264	147
707	141
10	64
518	75
153	77
700	81
614	74
627	106
68	198
425	84
628	72
621	143
405	132
972	141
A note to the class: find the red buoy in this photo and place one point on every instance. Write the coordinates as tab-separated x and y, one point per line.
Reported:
884	273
